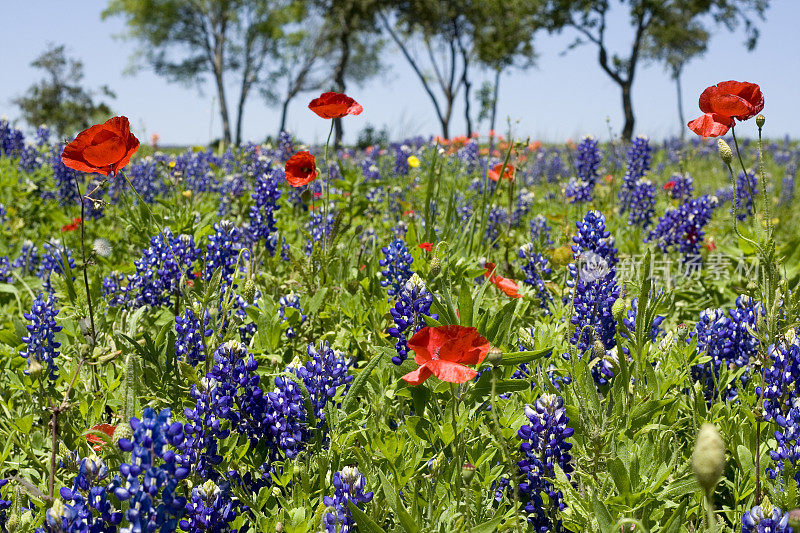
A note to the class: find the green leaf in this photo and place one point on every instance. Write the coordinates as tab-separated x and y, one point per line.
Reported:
518	358
359	382
487	527
363	521
604	519
503	318
465	305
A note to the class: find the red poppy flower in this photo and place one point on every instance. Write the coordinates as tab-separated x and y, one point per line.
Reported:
724	102
108	429
103	148
443	351
427	246
508	173
668	186
335	105
76	223
508	286
736	99
301	169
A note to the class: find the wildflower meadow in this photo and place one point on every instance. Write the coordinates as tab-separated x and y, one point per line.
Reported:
475	334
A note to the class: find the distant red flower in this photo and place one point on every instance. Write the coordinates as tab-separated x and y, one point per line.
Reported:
443	351
508	286
103	148
76	223
724	102
335	105
668	186
409	213
108	429
508	173
427	246
301	169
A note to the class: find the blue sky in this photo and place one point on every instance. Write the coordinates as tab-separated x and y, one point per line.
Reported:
565	96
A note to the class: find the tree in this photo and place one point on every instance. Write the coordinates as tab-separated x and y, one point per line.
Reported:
504	39
351	30
589	18
675	45
441	29
59	99
185	40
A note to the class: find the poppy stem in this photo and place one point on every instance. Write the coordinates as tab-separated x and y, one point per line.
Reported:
327	200
83	257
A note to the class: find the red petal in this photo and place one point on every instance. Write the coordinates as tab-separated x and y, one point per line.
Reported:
418	376
451	372
711	125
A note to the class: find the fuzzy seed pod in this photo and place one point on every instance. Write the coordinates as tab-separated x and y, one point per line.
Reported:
683	331
122	431
708	459
436	266
598	350
618	309
724	151
249	291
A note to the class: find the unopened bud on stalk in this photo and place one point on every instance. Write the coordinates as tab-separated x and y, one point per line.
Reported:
683	331
724	151
598	350
494	356
35	367
468	472
708	459
249	291
122	431
618	309
760	119
436	266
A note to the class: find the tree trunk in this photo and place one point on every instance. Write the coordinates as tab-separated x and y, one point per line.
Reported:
680	104
339	79
467	108
284	111
240	113
494	99
223	107
627	107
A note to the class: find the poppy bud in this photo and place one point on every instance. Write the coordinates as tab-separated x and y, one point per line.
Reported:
526	337
13	523
276	492
683	331
708	459
760	119
468	472
436	266
598	350
725	152
297	470
278	527
249	291
122	431
494	356
618	309
794	518
55	513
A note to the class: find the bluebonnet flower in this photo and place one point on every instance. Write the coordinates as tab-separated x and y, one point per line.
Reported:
725	337
210	508
594	290
28	259
544	444
397	267
189	333
41	338
89	508
315	228
642	203
150	480
4	505
290	300
755	521
496	222
285	145
12	140
348	485
746	189
115	288
52	262
223	252
412	304
370	170
535	266
159	270
470	156
587	164
556	169
64	178
401	154
639	157
323	374
540	231
5	270
680	187
262	213
682	228
42	135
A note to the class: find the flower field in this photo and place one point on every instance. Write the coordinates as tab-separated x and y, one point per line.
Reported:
473	334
